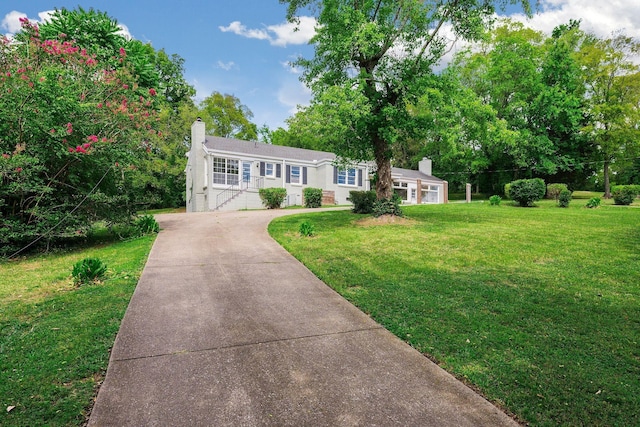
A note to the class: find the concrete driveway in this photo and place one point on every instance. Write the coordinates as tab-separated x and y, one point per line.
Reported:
225	328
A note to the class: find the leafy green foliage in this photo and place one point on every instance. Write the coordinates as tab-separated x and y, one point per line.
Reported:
147	224
564	198
362	201
272	198
507	188
495	200
226	116
527	191
593	203
312	197
372	60
306	229
390	206
554	190
89	270
624	195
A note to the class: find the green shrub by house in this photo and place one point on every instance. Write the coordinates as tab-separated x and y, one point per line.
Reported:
564	198
527	191
272	198
624	195
554	190
390	206
495	200
362	201
147	224
312	197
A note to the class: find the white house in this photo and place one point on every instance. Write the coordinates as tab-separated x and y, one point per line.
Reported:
226	174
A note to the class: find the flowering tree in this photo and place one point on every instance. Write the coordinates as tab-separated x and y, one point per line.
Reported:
71	132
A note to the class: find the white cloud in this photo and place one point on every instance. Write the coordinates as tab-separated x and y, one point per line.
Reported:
277	35
598	17
294	94
227	66
11	21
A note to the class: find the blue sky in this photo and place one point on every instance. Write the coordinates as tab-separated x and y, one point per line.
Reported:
242	47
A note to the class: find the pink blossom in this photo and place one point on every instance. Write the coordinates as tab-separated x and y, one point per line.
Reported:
5	155
92	138
52	131
125	86
86	145
104	139
18	169
69	128
152	92
99	105
71	150
123	52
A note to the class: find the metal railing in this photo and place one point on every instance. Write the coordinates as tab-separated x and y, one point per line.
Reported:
231	192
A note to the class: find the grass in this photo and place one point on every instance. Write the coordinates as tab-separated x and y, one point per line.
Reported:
538	308
55	337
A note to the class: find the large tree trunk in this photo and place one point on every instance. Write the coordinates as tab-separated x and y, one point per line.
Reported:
384	185
607	185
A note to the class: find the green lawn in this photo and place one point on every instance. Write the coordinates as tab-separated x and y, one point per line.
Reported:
539	308
55	337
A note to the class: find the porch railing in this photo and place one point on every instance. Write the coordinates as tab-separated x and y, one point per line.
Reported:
229	193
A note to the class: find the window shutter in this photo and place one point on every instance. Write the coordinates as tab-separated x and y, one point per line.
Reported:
359	177
261	168
288	174
335	175
278	170
304	175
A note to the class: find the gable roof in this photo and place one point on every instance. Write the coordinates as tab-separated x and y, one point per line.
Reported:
260	149
409	173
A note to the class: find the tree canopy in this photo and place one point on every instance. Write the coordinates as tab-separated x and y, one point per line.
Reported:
378	57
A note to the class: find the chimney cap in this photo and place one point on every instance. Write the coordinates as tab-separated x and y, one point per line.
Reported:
199	119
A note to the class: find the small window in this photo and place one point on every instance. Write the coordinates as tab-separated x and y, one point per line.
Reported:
347	176
269	170
295	175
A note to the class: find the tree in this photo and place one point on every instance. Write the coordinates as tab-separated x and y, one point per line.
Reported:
70	135
613	89
226	116
379	55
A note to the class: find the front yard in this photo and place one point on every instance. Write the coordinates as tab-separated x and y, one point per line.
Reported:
538	308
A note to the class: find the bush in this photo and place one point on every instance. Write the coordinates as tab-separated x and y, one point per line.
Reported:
389	206
495	200
554	190
593	202
272	198
634	187
362	201
307	229
507	187
527	191
89	270
564	198
312	197
624	195
147	224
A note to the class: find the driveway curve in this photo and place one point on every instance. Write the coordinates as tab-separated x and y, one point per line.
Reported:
226	328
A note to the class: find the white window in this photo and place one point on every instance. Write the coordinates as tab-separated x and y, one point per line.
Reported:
226	171
347	176
295	175
269	170
431	194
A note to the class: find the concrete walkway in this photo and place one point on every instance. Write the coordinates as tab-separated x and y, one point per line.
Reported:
225	328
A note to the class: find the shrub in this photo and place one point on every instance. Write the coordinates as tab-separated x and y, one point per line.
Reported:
147	224
362	201
312	197
564	198
624	195
593	202
307	229
554	190
272	198
634	187
527	191
389	206
88	270
495	200
507	187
